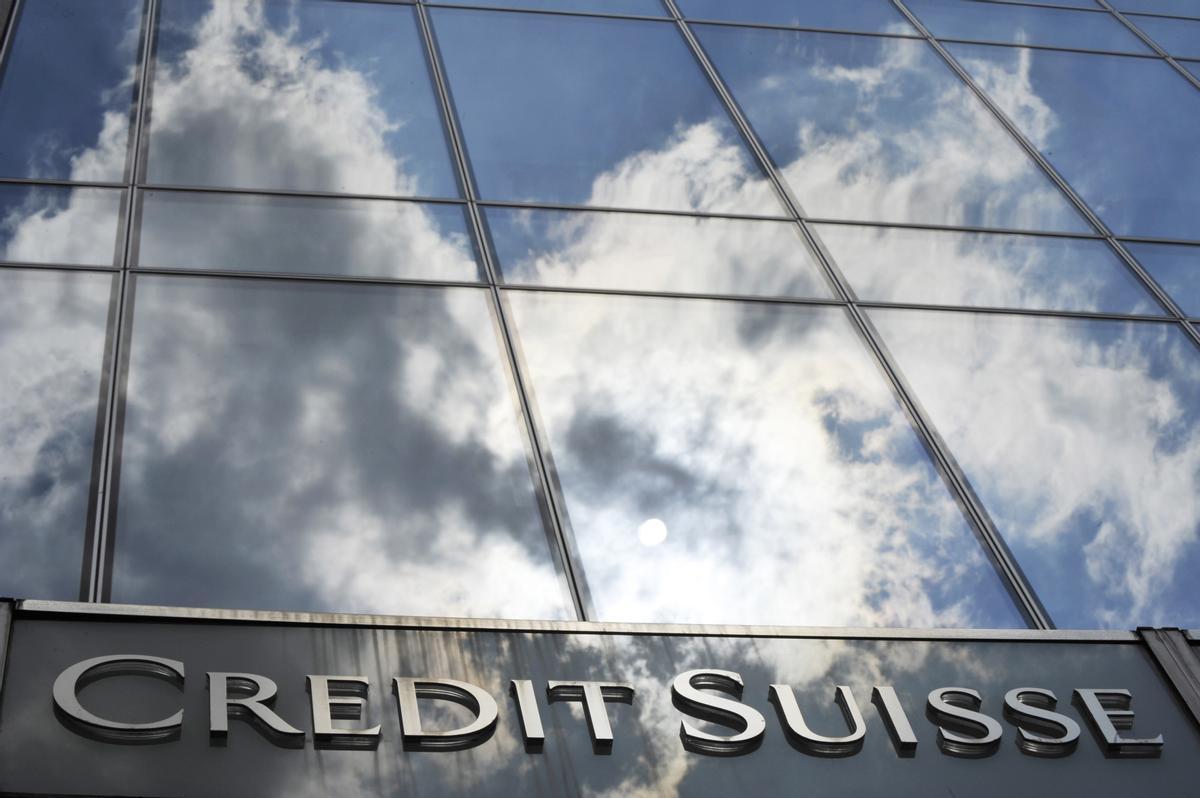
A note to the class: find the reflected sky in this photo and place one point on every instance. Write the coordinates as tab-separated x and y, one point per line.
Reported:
1176	36
52	328
790	484
1175	268
53	224
593	111
1083	440
940	267
1183	8
1015	24
312	95
66	92
645	8
642	252
362	238
317	447
1192	67
1122	131
879	129
867	16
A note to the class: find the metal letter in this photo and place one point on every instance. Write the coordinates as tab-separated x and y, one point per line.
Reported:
66	696
531	717
408	690
345	698
1032	705
957	705
686	695
1108	711
593	695
253	707
899	729
808	740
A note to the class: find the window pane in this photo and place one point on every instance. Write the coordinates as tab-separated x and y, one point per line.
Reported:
983	269
309	446
311	95
1176	36
1175	268
365	238
52	328
868	16
66	91
728	462
1122	131
641	252
1083	440
645	8
54	224
1192	67
595	112
877	129
993	22
1183	8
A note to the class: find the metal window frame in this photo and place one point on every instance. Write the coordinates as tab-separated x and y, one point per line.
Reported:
96	578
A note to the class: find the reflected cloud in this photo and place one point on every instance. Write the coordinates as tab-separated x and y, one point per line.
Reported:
765	440
1088	456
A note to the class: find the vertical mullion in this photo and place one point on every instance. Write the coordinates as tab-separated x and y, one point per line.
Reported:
1131	263
100	529
563	549
1153	45
1007	567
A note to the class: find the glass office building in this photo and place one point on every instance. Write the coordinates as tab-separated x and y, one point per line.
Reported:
593	319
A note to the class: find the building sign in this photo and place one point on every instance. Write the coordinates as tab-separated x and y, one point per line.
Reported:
123	706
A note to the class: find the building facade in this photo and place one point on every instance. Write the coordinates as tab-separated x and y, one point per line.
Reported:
821	376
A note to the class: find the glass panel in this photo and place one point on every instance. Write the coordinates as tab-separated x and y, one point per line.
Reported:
311	95
55	224
1122	131
1082	438
365	238
955	19
309	446
984	269
645	8
1192	67
727	462
877	129
66	96
1176	36
594	111
641	252
1175	268
1183	8
52	328
868	16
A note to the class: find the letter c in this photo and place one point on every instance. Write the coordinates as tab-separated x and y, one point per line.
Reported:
66	696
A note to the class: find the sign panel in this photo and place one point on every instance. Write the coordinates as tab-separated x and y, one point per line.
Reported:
175	707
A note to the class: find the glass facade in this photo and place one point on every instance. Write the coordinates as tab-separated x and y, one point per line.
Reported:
872	313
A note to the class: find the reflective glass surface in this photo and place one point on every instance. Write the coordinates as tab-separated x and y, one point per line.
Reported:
1016	24
66	92
55	224
318	447
593	111
52	329
313	95
645	8
1183	8
1176	36
1175	268
365	238
1083	440
642	252
891	264
727	462
1122	131
1193	67
867	16
878	129
647	757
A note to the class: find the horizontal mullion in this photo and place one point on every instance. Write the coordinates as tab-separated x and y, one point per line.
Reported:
1007	311
552	206
955	228
40	181
802	28
555	12
1051	47
303	277
60	267
284	192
